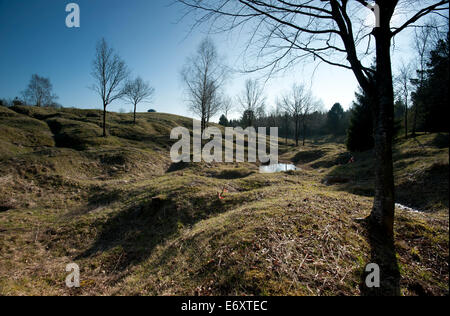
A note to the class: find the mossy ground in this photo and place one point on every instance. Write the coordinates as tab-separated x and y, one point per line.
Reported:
139	225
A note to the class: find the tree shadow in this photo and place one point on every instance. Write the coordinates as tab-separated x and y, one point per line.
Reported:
231	174
441	141
426	191
178	166
418	143
384	255
98	198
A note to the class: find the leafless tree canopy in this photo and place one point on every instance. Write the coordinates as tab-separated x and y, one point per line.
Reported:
214	107
203	76
227	105
137	91
39	92
331	31
252	98
109	72
404	87
298	103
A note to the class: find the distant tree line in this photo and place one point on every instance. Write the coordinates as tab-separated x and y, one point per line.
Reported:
295	125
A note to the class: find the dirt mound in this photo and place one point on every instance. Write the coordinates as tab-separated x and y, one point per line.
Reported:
304	157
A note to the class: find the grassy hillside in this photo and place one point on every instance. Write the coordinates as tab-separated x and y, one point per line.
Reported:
139	225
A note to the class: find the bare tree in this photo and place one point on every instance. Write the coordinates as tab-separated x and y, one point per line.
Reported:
39	92
310	105
298	104
332	31
403	83
109	71
203	76
284	120
252	100
214	107
423	41
227	105
137	91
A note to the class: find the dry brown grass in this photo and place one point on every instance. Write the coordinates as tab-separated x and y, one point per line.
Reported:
138	225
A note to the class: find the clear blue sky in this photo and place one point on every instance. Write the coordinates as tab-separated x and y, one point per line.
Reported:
35	39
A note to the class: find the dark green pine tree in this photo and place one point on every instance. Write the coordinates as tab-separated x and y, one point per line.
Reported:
436	89
335	120
223	121
360	131
248	118
431	99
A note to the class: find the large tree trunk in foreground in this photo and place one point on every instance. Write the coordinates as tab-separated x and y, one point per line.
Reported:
383	109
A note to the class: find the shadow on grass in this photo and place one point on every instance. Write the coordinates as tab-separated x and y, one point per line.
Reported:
384	255
178	166
4	208
441	141
427	190
229	174
424	188
335	160
129	237
308	156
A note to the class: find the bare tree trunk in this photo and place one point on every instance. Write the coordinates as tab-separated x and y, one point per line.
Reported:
406	117
208	117
304	133
104	120
286	130
383	109
203	125
296	130
415	119
134	117
418	104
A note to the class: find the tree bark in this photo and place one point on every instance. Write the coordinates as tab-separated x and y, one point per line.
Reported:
304	132
406	117
202	125
383	115
134	116
416	110
286	129
104	120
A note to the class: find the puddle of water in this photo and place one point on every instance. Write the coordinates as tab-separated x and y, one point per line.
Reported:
281	167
